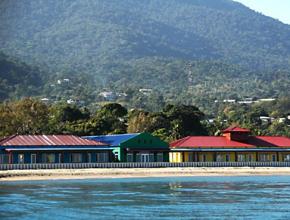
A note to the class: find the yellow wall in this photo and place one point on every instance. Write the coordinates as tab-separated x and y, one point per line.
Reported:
186	157
178	157
175	157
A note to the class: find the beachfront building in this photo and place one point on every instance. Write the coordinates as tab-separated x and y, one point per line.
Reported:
235	145
137	147
27	149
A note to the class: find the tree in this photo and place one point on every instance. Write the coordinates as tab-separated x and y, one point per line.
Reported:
27	116
111	119
112	110
68	113
185	120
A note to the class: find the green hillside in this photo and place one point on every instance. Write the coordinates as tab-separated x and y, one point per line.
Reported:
186	50
88	34
18	79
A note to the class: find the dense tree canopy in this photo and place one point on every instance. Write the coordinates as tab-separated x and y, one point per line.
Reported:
30	116
27	116
265	118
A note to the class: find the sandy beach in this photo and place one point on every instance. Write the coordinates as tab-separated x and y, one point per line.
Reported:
20	175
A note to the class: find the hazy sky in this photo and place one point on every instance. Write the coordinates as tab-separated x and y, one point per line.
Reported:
279	9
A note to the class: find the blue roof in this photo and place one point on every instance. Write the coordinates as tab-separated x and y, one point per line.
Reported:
113	140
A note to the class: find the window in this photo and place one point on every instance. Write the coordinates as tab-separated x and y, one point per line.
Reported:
151	157
287	157
203	158
263	158
60	158
4	158
138	157
250	157
159	157
219	158
89	158
130	157
116	155
171	157
227	157
20	158
33	158
48	158
241	158
190	157
76	158
102	157
145	158
273	157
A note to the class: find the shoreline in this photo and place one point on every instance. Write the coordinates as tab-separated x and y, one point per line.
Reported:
103	173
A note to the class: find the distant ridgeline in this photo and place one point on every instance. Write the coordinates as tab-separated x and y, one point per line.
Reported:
189	51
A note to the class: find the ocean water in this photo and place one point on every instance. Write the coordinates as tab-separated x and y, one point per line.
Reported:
148	198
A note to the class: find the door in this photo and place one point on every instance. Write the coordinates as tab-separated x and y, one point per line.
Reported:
33	158
144	158
89	158
20	158
59	158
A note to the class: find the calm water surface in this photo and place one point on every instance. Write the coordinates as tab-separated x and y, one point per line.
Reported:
148	198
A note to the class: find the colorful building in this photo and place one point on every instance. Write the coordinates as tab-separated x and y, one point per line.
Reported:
235	145
20	149
138	147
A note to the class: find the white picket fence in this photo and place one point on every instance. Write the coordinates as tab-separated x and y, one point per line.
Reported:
139	165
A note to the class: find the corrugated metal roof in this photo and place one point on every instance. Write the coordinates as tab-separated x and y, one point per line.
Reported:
112	140
211	142
256	149
57	149
48	140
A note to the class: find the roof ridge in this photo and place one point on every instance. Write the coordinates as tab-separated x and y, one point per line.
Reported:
179	141
203	136
119	134
111	135
5	139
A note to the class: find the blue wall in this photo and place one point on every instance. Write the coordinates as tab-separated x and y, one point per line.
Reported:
65	156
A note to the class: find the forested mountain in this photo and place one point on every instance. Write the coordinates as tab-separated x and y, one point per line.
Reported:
18	79
185	49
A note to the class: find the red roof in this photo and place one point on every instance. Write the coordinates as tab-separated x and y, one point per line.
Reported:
48	140
211	142
235	129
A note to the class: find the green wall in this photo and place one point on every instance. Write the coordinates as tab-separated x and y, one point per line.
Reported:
145	140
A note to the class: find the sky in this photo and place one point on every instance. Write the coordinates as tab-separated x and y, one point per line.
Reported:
279	9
